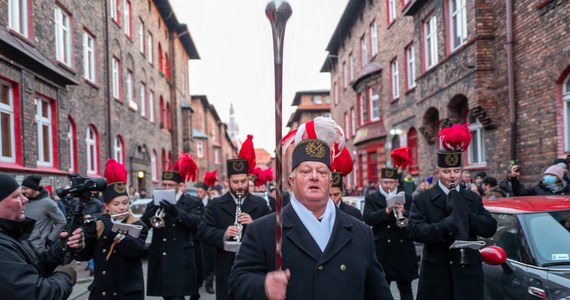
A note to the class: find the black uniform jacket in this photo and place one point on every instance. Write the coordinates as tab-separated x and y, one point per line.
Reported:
221	213
441	276
121	275
351	210
24	273
347	269
171	255
395	251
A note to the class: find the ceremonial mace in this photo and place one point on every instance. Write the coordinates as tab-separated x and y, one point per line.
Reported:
278	11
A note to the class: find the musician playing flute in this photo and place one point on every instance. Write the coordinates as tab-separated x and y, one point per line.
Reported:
116	255
444	214
395	251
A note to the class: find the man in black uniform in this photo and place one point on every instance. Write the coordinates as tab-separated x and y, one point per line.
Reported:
446	213
171	255
336	196
396	253
218	223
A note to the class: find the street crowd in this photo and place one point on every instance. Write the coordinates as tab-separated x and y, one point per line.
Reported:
226	240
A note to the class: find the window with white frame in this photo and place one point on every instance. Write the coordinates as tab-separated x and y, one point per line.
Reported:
328	99
114	6
363	109
458	23
352	121
141	36
149	47
566	112
411	67
44	132
62	36
317	99
88	57
127	28
344	75
18	16
346	125
151	105
336	95
116	76
153	166
476	150
7	121
395	79
430	42
374	105
363	53
118	149
391	11
373	39
92	151
200	149
71	144
217	156
142	97
129	87
351	66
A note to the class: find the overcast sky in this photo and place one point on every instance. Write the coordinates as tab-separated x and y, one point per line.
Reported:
235	44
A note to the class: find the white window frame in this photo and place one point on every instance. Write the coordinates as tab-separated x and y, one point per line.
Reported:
151	105
346	125
149	48
344	75
113	4
395	79
374	38
129	87
8	109
477	141
217	156
457	23
143	99
566	112
88	57
127	20
363	52
141	36
116	77
62	36
361	101
391	11
353	121
71	145
200	149
91	149
351	66
118	150
153	166
318	99
18	16
41	123
411	66
430	42
374	105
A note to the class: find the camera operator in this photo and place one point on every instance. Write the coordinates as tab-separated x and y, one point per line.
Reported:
26	274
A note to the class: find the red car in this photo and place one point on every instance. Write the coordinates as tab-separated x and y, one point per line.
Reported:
529	256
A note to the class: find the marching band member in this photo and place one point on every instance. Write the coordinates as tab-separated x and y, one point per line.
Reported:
342	166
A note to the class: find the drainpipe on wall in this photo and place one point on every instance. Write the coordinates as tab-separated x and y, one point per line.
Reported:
109	92
511	79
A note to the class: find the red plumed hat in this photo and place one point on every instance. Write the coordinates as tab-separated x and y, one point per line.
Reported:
186	166
210	178
257	176
456	137
268	174
343	162
401	157
248	152
115	172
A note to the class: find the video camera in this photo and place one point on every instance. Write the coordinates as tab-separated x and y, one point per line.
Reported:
82	186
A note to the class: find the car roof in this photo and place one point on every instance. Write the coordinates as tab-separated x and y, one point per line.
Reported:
527	204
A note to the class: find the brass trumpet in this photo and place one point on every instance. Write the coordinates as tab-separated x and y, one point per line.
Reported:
401	221
157	221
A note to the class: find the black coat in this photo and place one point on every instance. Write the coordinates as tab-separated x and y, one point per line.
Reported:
395	251
347	269
351	210
285	201
171	255
539	189
25	274
122	274
441	276
221	213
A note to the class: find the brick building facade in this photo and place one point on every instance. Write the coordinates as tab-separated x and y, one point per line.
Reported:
85	82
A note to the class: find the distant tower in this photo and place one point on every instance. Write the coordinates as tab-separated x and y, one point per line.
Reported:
233	127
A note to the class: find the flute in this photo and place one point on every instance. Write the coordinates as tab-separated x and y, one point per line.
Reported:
120	214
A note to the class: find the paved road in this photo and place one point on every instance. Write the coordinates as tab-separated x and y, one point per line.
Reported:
80	291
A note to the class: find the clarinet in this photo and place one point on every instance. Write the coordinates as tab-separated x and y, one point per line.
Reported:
236	222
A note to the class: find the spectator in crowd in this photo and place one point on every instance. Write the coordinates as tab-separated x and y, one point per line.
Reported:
421	187
408	185
491	188
564	164
552	182
479	181
142	194
371	188
133	194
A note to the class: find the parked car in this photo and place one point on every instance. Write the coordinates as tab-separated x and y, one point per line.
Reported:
137	208
529	257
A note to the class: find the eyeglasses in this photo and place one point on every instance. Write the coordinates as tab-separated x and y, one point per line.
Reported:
321	173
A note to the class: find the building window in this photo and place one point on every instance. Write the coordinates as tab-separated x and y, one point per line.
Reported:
413	145
363	109
160	60
141	36
162	112
71	138
116	75
91	142
142	97
346	125
119	150
18	16
128	28
363	53
45	129
166	66
391	11
217	156
168	116
318	99
374	105
458	23
7	122
476	150
410	67
328	99
154	166
395	79
352	121
430	42
129	87
344	75
374	39
115	10
151	105
336	95
62	36
88	57
351	66
163	160
149	48
566	112
200	149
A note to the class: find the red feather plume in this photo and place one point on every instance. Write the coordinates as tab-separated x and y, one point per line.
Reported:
268	174
210	178
248	152
115	172
401	157
187	167
258	176
456	137
343	162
